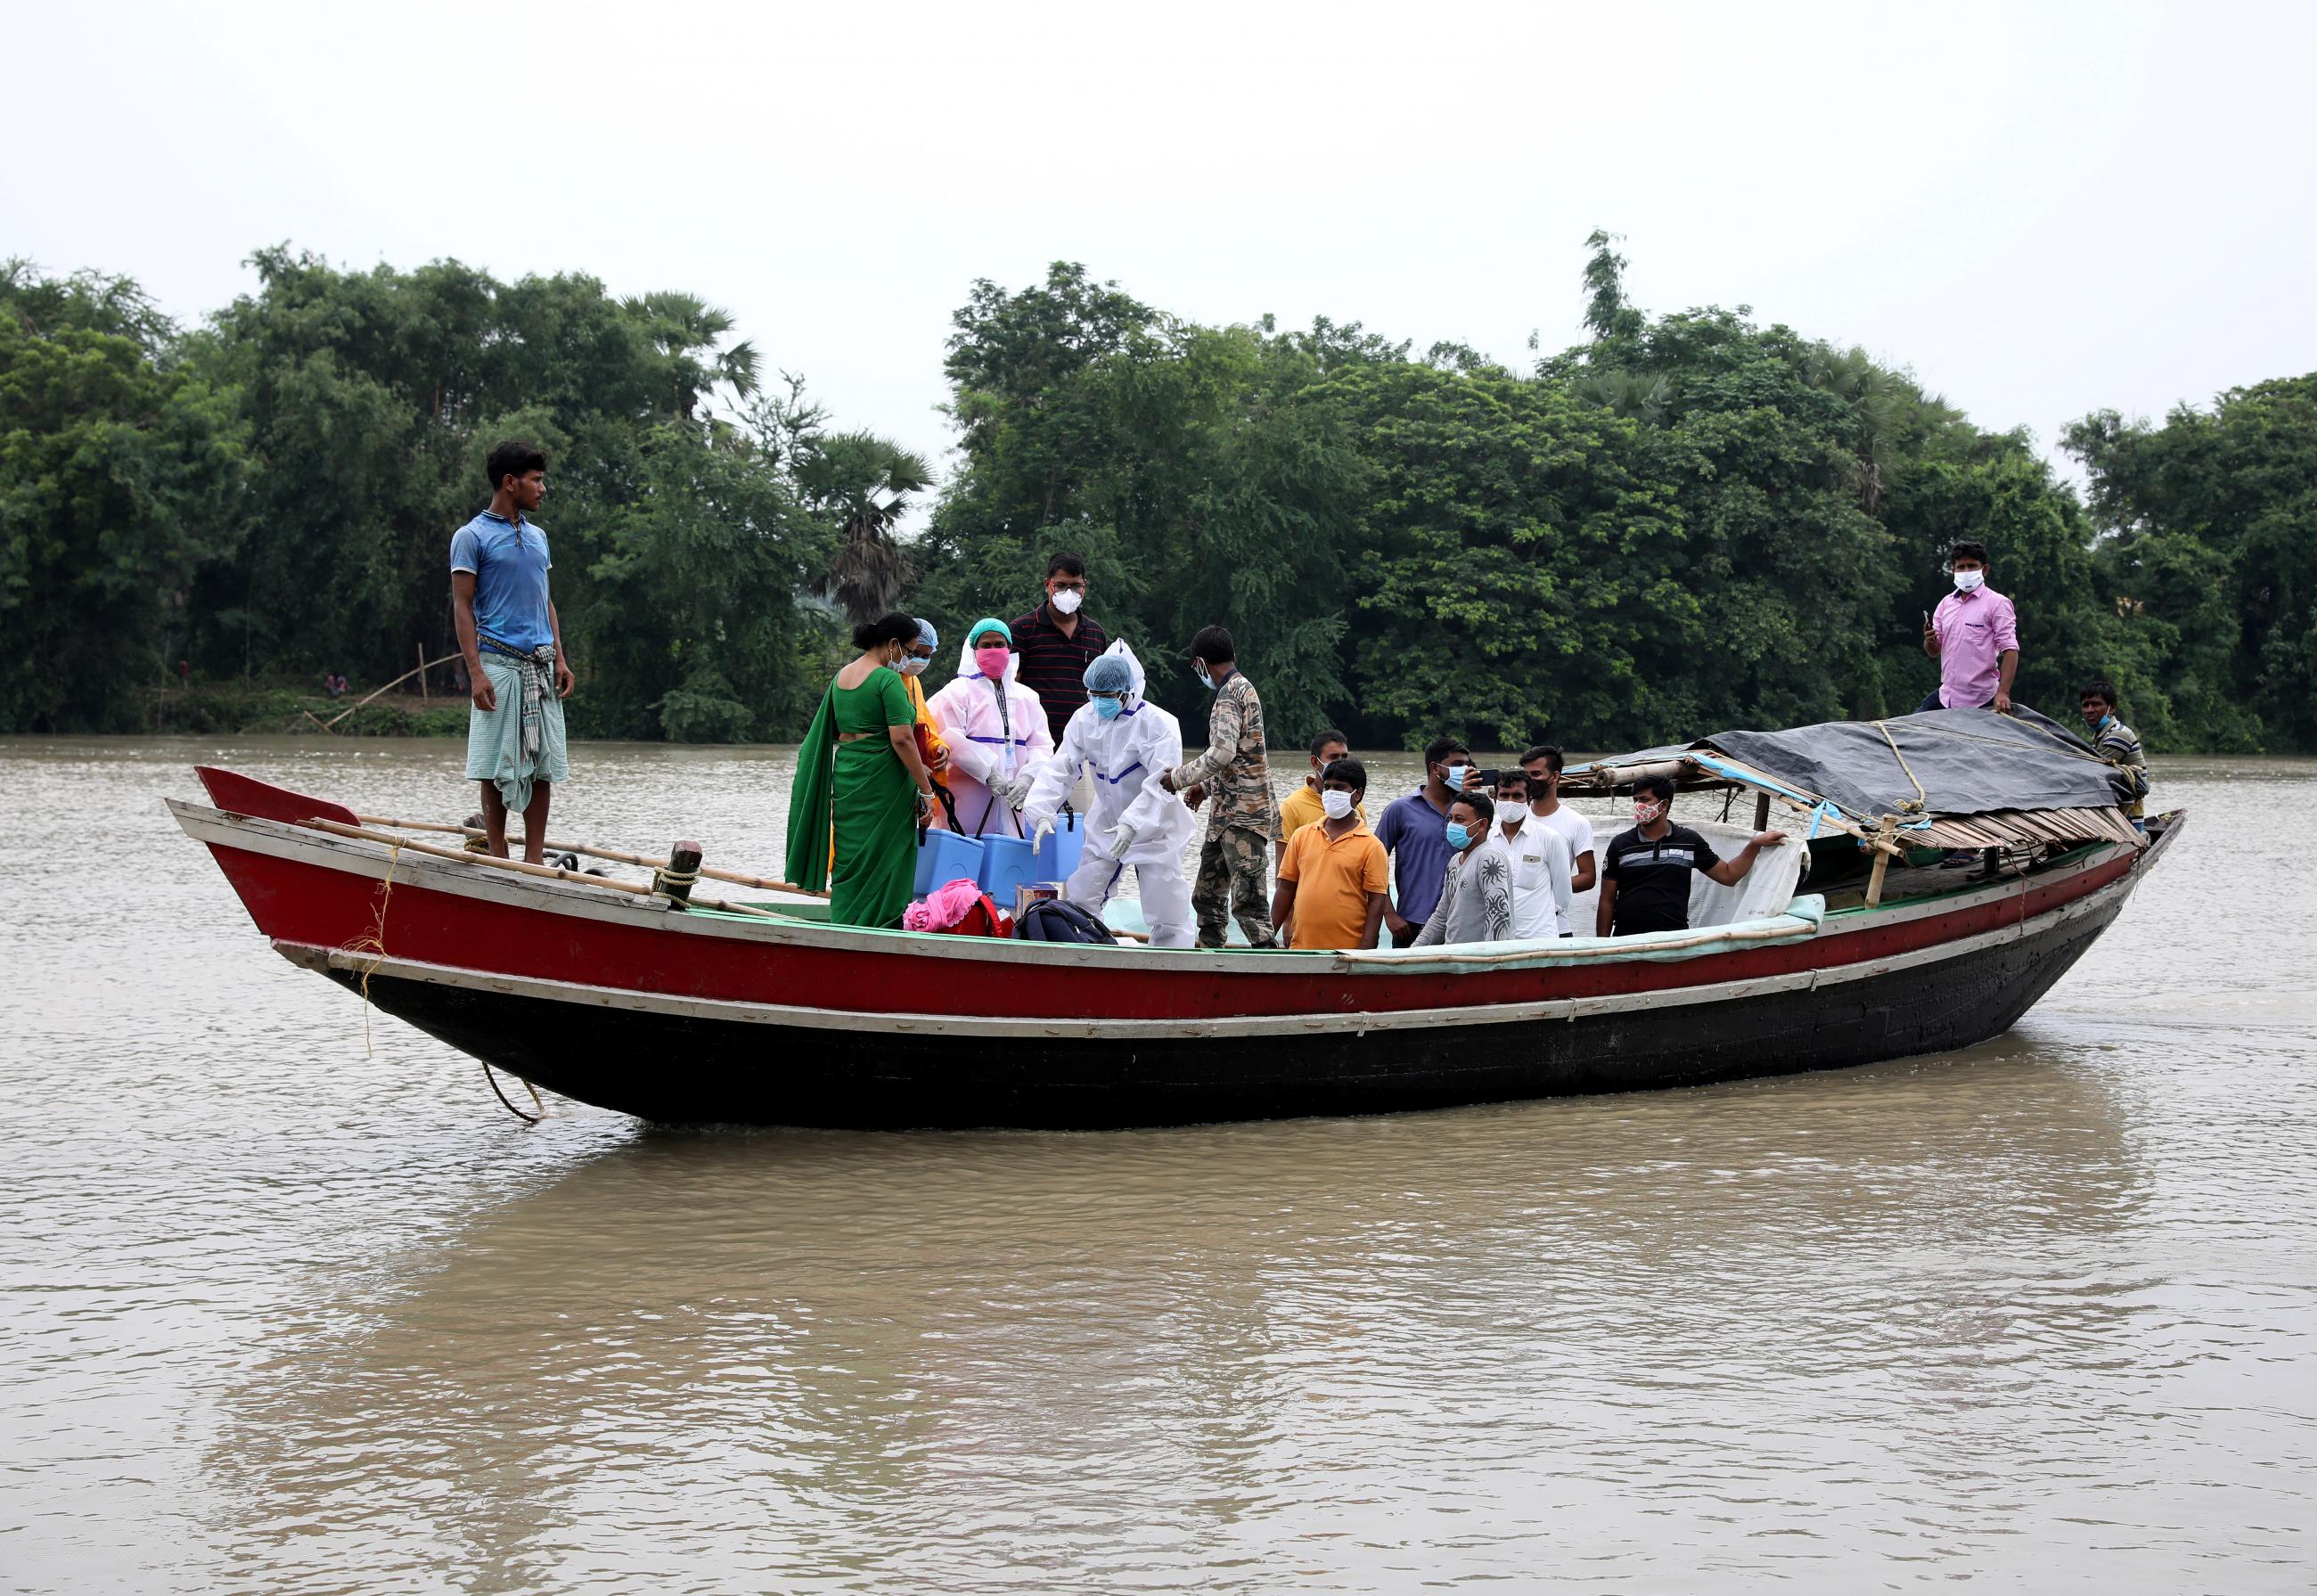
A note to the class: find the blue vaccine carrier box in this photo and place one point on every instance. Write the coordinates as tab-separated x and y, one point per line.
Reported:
944	856
1006	861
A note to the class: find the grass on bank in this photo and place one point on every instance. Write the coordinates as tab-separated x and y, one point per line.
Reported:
271	707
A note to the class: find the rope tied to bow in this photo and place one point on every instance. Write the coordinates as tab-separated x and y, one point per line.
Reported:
374	944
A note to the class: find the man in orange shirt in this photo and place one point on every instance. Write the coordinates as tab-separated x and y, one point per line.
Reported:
1333	876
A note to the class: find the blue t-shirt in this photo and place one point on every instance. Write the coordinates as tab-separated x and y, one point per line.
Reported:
510	562
1415	835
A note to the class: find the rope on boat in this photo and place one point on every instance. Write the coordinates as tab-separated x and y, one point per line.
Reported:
491	1075
1922	798
675	885
374	944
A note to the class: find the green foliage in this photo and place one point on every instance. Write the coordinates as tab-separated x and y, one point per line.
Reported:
2210	555
1686	522
118	478
274	494
686	621
1517	568
1690	522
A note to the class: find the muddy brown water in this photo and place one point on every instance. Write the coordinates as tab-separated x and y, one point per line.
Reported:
284	1312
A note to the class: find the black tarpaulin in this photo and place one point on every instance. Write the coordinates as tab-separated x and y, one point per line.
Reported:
1969	761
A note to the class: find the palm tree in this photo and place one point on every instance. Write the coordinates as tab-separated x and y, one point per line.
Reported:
684	327
1628	393
1891	414
866	481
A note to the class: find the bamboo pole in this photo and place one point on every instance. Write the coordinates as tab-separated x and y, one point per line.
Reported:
1874	880
521	867
737	878
330	726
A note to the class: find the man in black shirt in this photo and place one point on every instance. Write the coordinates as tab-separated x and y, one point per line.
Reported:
1645	878
1056	643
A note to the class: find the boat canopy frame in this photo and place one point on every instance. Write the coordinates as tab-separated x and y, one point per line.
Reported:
2040	746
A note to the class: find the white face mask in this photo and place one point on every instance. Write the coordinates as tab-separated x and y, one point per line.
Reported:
1968	581
1067	600
1336	803
913	666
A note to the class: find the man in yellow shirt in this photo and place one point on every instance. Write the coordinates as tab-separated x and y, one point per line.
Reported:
1334	877
1303	807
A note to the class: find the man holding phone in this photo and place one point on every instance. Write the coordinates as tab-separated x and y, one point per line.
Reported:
1974	635
1415	832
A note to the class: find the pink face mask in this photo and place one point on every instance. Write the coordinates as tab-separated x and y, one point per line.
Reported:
1646	811
992	662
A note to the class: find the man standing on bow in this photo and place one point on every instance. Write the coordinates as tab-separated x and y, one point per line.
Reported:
1974	635
1234	873
513	640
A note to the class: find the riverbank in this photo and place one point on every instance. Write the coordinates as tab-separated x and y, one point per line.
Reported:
269	708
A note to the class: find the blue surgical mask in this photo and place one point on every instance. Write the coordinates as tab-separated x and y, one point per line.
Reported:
1456	777
1206	680
1458	838
1108	709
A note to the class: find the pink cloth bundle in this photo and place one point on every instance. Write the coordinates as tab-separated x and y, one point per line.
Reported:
941	908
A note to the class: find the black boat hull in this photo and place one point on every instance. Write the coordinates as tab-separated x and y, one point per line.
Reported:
699	1069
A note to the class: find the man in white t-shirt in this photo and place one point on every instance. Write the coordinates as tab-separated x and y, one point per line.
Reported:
1540	866
1544	767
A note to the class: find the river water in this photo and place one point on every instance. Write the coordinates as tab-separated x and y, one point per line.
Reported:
287	1311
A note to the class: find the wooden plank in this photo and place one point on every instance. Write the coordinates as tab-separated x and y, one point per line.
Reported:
521	867
737	878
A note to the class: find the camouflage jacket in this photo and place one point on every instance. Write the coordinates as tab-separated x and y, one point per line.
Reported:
1235	770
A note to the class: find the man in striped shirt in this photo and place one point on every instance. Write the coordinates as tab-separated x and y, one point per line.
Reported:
1056	643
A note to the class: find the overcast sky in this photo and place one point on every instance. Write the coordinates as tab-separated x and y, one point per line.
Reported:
2042	210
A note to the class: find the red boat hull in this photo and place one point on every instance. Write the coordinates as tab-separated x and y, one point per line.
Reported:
695	1017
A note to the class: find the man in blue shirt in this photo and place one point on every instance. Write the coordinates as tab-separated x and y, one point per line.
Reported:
1415	832
512	640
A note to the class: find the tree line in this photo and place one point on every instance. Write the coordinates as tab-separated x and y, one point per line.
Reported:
1687	522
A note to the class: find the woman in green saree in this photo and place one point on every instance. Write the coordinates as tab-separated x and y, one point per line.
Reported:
861	784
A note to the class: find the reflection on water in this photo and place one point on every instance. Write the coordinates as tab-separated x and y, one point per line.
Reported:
282	1314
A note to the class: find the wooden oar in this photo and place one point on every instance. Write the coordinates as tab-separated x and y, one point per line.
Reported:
736	877
493	862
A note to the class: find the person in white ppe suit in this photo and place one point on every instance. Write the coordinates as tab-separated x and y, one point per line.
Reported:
1124	743
995	729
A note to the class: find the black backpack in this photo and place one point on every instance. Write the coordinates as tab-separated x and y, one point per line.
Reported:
1052	920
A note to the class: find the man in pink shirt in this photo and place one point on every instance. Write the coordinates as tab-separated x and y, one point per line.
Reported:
1974	635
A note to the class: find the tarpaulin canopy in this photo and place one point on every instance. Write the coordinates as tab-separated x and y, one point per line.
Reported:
1945	762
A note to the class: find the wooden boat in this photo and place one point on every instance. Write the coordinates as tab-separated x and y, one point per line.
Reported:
763	1013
